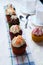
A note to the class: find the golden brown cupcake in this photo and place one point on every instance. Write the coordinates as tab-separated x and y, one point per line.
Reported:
18	45
37	35
9	12
15	30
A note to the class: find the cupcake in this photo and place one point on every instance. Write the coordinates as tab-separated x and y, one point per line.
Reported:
18	45
15	30
37	35
14	20
9	12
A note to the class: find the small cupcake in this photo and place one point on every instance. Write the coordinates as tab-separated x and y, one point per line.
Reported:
9	12
15	30
14	20
37	35
18	45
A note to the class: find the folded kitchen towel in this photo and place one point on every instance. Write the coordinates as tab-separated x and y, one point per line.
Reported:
25	59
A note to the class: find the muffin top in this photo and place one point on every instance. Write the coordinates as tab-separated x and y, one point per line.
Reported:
14	17
15	29
10	10
18	41
37	31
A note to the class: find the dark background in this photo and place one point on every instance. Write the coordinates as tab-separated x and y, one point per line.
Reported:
41	1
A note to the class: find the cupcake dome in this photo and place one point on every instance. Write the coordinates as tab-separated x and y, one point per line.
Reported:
10	11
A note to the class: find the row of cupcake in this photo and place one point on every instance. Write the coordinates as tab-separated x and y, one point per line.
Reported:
18	43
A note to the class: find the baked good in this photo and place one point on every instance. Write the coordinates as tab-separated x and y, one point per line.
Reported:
37	35
9	12
14	20
18	45
15	30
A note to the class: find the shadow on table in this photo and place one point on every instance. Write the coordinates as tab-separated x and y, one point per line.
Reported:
40	44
